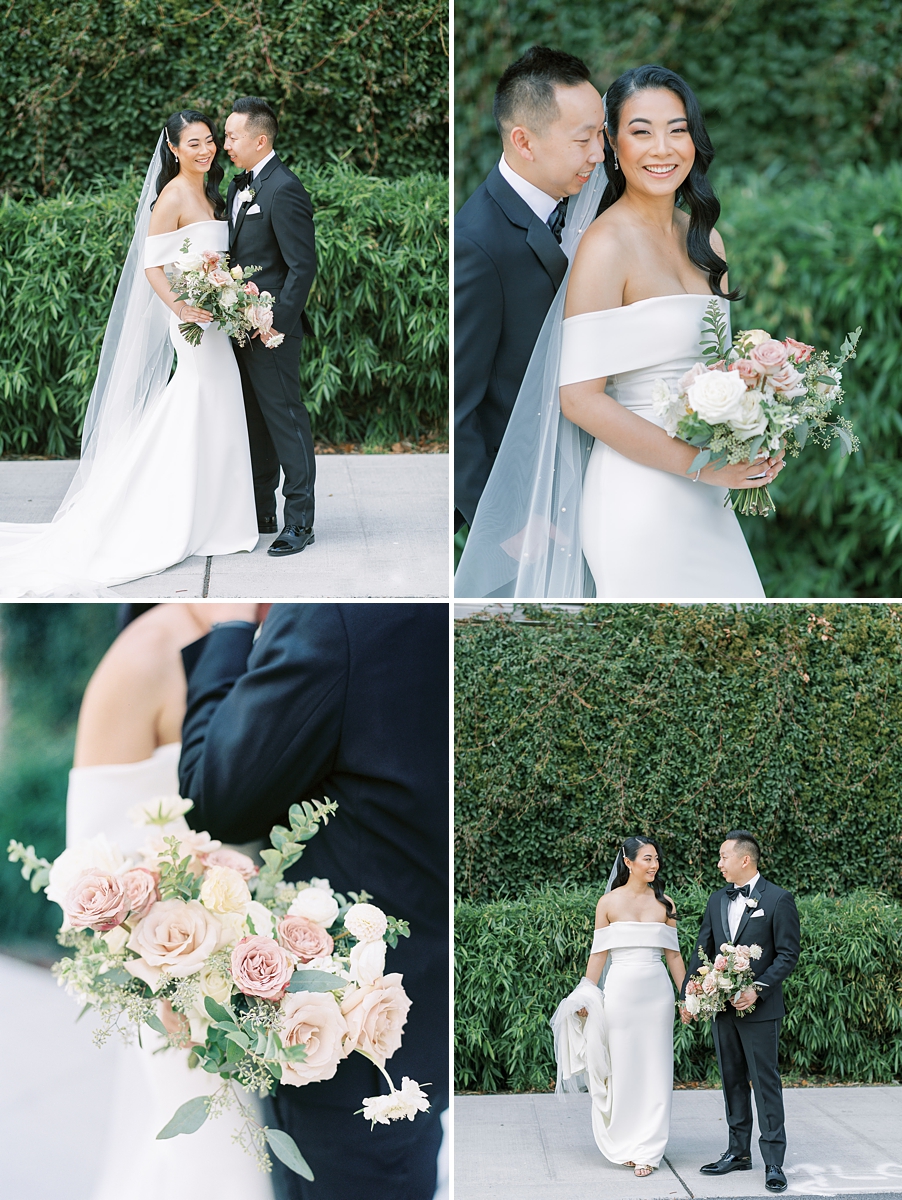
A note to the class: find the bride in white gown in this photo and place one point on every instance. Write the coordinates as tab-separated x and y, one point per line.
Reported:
165	471
619	1042
620	517
127	752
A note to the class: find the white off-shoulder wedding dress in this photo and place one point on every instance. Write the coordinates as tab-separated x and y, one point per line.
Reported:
625	1045
205	1165
174	482
647	534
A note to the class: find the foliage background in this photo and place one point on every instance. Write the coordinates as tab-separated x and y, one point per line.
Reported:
47	654
803	104
574	730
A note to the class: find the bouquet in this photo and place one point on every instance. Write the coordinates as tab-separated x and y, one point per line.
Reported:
730	974
755	395
262	981
203	278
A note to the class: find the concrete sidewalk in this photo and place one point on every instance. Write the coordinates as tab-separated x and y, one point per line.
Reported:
843	1142
382	529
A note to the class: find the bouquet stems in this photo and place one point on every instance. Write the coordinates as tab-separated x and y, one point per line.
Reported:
755	502
191	332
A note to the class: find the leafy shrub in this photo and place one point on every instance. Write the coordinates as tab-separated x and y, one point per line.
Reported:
376	369
87	84
679	721
517	959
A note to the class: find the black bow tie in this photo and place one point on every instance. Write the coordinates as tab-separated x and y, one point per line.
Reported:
558	219
241	181
733	891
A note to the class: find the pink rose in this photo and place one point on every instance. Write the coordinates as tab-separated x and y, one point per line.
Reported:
141	886
260	317
251	288
375	1014
800	351
304	938
246	867
720	963
211	258
740	961
769	356
96	900
691	375
709	984
789	381
260	967
748	372
312	1020
693	987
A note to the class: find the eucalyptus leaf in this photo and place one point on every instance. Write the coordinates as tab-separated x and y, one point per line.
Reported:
216	1010
187	1119
701	460
285	1149
315	981
156	1024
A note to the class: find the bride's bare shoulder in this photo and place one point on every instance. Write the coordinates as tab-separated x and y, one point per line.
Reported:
599	268
167	209
602	915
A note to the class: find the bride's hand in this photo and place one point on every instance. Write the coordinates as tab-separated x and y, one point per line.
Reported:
582	1012
760	473
188	314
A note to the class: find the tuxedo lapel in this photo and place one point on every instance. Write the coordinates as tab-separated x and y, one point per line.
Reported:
539	237
230	197
725	915
258	185
746	916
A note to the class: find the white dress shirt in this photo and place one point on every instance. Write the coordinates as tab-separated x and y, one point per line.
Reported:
737	906
255	171
540	202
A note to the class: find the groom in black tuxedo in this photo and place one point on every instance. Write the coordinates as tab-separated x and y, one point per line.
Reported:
271	226
508	263
750	910
348	701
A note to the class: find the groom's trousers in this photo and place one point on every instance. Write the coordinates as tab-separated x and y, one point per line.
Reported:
278	427
748	1053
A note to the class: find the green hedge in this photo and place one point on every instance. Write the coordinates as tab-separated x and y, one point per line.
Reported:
680	722
797	88
87	84
517	959
376	370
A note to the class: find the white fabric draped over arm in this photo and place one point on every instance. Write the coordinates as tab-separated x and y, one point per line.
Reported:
580	1043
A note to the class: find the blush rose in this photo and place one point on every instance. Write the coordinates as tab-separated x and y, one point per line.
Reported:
96	900
376	1014
261	967
141	886
304	938
313	1020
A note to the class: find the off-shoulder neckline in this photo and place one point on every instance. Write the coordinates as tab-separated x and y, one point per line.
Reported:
599	312
599	928
191	224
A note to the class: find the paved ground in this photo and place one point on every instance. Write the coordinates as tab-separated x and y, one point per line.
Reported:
843	1142
382	529
55	1092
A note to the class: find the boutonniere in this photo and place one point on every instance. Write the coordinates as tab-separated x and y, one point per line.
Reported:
246	195
751	902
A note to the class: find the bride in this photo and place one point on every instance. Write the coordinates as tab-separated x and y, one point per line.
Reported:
619	1041
165	469
589	495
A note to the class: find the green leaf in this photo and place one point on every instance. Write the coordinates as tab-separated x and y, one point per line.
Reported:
701	460
801	433
846	439
315	981
234	1051
239	1038
155	1023
828	379
187	1119
285	1149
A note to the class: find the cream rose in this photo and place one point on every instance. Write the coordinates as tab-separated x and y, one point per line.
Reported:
756	336
741	961
312	1020
96	900
750	420
316	904
366	922
367	962
261	967
709	984
376	1014
224	857
179	935
213	984
224	891
141	886
228	297
263	920
716	396
304	938
94	854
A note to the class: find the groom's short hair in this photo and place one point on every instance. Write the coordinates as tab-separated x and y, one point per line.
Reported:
745	843
525	92
260	117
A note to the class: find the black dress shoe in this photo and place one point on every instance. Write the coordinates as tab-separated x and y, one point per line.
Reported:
292	540
267	525
774	1179
728	1162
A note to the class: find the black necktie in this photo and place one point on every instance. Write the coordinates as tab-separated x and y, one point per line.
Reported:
558	219
733	891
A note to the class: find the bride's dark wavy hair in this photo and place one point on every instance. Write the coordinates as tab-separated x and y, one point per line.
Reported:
169	166
630	849
695	191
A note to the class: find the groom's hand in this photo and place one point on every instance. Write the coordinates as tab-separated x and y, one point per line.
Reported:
746	999
686	1017
273	333
208	615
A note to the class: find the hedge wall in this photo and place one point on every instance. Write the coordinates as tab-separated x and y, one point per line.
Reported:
681	722
517	959
795	89
376	370
87	84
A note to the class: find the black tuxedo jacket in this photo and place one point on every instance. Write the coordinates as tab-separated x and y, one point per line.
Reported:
280	240
776	931
348	701
507	268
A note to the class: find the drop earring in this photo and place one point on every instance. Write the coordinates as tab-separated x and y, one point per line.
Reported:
616	162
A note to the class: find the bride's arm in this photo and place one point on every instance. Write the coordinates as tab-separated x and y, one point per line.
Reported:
165	219
596	283
596	961
674	959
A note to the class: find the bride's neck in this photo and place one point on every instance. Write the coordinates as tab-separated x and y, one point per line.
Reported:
655	211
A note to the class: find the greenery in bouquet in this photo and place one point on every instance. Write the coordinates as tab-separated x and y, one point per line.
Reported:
259	981
753	397
204	279
717	982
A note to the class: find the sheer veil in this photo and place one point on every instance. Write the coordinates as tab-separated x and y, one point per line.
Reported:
525	537
136	355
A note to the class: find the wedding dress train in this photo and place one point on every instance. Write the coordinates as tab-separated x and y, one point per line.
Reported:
173	482
150	1086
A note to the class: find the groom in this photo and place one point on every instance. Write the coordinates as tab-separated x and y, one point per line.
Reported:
508	262
348	701
271	226
750	910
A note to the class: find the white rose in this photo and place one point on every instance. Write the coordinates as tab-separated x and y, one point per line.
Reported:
228	297
224	891
667	406
724	983
756	336
323	885
716	396
264	923
368	962
316	905
692	1004
216	985
92	854
366	922
750	420
189	262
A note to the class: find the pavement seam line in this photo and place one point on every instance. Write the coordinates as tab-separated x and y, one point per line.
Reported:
207	571
689	1192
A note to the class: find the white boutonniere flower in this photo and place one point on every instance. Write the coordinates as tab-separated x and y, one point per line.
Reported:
751	902
246	195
